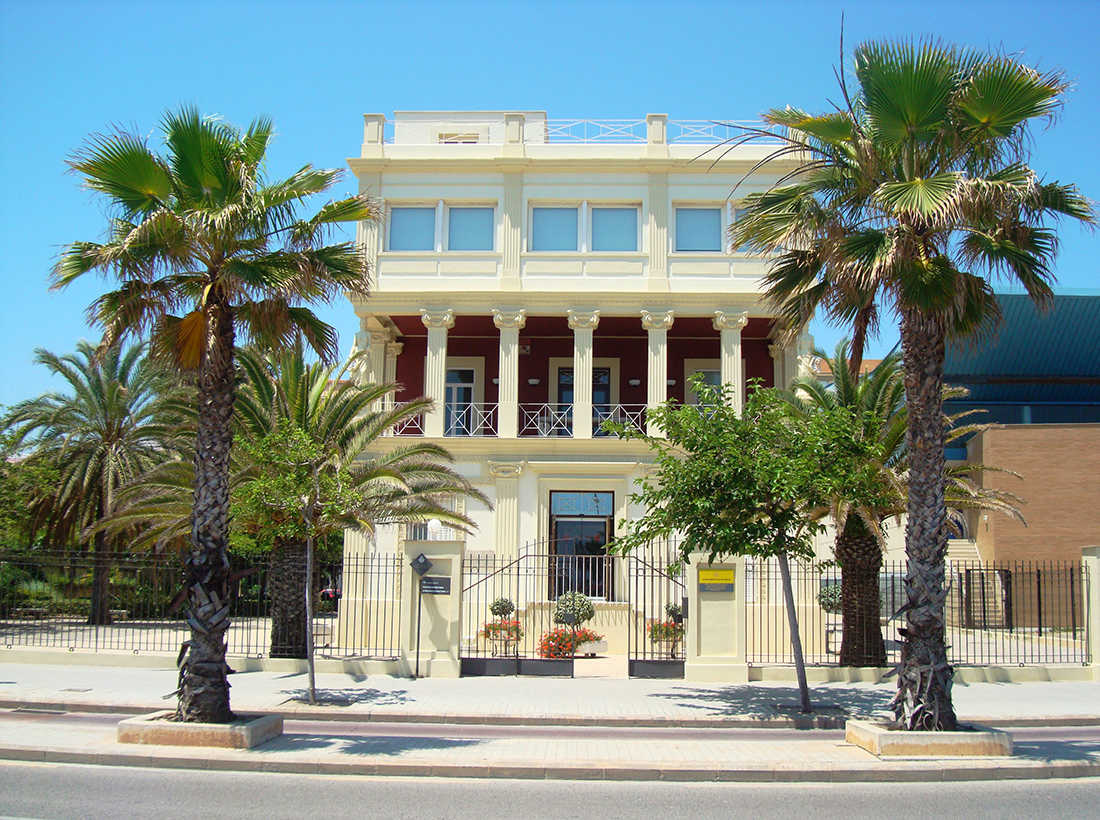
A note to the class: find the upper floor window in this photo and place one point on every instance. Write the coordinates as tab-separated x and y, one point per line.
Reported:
607	228
737	214
699	229
469	229
614	229
412	229
554	229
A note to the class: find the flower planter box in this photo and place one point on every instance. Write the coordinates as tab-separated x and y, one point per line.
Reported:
591	649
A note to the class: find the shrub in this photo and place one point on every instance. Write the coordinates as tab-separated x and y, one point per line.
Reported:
829	598
563	641
36	594
666	631
507	630
576	604
674	612
502	607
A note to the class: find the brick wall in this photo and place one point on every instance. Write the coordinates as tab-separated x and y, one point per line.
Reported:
1059	465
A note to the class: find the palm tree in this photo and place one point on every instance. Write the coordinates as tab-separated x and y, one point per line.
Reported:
203	247
917	192
115	423
875	402
342	424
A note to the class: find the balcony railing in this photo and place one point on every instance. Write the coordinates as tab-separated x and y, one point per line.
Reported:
470	420
629	415
611	131
412	426
545	420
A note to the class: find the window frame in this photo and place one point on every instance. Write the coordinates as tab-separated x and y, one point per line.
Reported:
441	230
584	208
723	229
446	227
412	204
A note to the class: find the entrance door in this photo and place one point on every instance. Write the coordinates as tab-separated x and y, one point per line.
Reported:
458	403
601	394
580	527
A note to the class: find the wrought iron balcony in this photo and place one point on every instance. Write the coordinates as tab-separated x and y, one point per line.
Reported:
470	420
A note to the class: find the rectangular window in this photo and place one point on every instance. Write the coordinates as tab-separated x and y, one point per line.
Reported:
469	229
699	229
737	214
412	229
614	229
553	229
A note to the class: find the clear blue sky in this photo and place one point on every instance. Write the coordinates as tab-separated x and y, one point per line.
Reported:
71	69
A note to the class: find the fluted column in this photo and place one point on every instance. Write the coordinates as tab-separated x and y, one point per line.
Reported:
583	324
776	352
656	324
506	510
438	323
730	324
509	323
511	231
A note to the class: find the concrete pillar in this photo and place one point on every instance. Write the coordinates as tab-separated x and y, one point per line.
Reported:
716	639
509	323
438	322
583	323
393	350
1090	557
656	129
730	324
354	606
506	510
656	324
776	352
440	615
374	132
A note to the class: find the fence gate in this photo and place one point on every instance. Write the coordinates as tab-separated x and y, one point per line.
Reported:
658	614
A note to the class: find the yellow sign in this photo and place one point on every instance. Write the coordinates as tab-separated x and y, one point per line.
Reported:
716	576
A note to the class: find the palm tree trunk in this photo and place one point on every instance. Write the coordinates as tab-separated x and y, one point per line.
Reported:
859	341
204	688
860	559
285	581
924	675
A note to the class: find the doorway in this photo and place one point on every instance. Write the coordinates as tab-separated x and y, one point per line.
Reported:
581	525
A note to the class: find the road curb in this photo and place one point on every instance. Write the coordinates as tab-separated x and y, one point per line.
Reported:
937	771
612	721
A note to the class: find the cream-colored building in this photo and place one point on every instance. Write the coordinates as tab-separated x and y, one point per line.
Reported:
536	276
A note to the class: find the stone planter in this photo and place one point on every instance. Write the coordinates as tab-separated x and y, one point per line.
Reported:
156	729
883	740
591	648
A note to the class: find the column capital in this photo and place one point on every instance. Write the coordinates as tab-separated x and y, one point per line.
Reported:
394	348
509	319
438	318
775	350
657	319
730	320
505	469
583	319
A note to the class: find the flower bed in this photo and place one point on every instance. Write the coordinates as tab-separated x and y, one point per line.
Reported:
563	641
666	632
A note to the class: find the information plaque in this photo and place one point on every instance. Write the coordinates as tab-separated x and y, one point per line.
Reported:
716	580
435	585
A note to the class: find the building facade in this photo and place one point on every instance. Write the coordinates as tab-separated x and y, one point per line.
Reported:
536	277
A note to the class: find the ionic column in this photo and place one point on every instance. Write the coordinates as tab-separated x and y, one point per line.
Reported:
729	325
656	324
506	510
377	357
509	323
438	323
583	324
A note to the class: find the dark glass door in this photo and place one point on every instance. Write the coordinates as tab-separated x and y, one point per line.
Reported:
580	527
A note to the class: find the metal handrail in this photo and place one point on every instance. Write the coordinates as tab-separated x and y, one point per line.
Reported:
545	420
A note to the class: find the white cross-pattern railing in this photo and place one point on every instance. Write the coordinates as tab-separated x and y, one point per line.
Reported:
545	420
629	415
471	420
412	426
706	132
693	132
705	410
595	131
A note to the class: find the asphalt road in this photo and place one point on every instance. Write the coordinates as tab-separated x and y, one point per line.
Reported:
43	790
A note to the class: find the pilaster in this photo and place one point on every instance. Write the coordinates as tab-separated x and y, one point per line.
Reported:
511	231
583	324
438	322
506	510
730	324
509	323
656	324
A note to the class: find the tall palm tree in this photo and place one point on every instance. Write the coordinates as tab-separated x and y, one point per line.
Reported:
343	422
876	404
115	422
203	247
917	191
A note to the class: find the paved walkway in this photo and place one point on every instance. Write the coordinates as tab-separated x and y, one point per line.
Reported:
605	747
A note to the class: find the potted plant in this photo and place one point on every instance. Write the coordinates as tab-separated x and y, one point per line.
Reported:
567	642
668	633
503	633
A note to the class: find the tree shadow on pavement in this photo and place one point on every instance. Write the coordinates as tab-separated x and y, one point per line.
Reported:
355	745
350	697
747	700
1050	751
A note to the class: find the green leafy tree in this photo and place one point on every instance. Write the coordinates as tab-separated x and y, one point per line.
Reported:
25	479
757	484
203	248
115	422
876	402
917	192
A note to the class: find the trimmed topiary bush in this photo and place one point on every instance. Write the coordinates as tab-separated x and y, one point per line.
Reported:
577	604
829	598
502	607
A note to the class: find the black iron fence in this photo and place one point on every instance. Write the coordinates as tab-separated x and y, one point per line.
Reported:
47	599
1005	613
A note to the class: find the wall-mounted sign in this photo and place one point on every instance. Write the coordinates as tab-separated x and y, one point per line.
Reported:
435	585
716	580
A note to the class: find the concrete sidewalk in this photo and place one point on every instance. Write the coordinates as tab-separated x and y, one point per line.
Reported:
605	701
